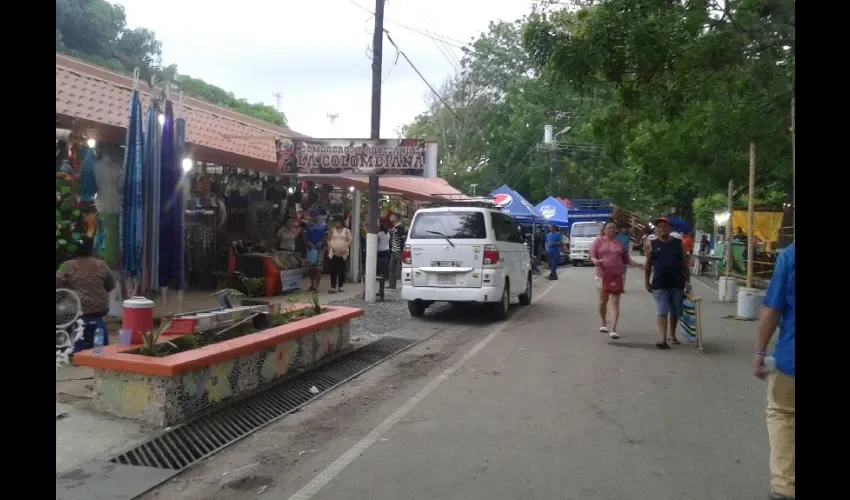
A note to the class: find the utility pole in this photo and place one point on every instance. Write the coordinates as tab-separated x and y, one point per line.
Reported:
372	231
277	96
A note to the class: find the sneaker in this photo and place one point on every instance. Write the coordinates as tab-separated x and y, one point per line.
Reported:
603	329
614	335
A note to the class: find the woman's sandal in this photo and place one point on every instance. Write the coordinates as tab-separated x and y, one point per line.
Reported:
662	345
675	341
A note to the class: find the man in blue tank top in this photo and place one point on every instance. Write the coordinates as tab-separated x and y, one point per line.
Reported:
779	310
667	277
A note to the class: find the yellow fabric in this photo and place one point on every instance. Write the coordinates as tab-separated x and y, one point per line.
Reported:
781	392
766	224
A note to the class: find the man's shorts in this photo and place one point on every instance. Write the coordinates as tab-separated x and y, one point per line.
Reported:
669	301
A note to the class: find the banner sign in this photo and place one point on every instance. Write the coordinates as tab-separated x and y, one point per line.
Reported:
351	156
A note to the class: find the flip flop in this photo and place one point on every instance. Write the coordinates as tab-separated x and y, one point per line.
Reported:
662	345
675	341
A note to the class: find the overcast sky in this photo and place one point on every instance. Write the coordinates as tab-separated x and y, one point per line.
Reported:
315	52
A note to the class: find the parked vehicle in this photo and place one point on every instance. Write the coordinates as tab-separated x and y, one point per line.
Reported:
582	235
465	252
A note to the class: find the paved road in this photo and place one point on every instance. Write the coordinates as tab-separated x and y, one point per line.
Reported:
542	407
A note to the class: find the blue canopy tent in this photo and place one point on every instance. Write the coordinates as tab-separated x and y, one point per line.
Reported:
513	204
679	225
552	211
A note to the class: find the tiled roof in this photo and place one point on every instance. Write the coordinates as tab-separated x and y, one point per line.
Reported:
96	95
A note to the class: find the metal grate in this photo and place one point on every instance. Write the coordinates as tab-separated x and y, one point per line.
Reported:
187	444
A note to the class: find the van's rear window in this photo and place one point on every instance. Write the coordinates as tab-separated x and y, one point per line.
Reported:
454	225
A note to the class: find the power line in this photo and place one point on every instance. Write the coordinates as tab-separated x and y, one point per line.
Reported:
434	36
511	170
389	38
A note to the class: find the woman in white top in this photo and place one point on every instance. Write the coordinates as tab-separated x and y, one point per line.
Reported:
339	239
287	235
383	250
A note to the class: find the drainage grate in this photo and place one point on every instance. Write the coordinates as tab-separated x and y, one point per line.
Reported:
187	444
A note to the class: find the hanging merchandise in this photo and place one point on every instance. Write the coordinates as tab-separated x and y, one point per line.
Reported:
133	190
108	175
88	184
152	173
180	150
169	208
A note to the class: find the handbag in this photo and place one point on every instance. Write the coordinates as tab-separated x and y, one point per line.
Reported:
312	256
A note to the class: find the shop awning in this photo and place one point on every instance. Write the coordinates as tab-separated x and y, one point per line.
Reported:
410	188
96	99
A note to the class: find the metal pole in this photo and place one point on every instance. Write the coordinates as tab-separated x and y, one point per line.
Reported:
728	252
793	172
356	251
372	232
751	215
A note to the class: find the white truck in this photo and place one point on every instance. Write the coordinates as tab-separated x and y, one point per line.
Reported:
582	235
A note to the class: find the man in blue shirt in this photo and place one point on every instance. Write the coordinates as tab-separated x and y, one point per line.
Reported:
315	232
779	309
553	251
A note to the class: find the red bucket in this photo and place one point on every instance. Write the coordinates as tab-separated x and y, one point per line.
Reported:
137	317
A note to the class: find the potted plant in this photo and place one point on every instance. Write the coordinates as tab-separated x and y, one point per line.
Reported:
252	288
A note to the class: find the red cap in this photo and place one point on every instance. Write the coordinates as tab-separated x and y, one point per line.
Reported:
662	219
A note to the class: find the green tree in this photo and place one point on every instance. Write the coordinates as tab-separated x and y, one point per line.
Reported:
95	31
691	83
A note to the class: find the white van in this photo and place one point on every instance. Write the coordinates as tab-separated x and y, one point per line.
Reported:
464	252
582	235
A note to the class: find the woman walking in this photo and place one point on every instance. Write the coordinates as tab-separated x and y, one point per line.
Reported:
340	245
610	258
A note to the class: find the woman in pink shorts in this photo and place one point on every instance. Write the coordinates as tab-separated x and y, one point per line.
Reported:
610	258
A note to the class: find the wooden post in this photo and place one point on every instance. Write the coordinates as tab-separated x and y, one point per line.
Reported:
729	230
751	216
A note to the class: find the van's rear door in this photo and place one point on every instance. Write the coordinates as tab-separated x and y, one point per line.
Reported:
447	248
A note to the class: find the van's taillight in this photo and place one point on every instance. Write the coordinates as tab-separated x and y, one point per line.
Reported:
491	255
405	255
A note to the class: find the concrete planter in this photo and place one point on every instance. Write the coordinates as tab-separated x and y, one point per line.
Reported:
164	391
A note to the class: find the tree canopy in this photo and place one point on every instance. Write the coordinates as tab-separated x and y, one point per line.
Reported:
96	31
663	98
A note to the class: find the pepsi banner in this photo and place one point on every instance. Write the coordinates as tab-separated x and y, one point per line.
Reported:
355	156
512	203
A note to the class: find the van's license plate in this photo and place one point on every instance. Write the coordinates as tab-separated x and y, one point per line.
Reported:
446	279
445	263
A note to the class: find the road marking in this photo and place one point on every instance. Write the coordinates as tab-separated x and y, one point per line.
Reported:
327	475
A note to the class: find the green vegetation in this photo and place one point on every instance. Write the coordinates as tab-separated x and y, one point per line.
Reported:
96	31
662	97
152	346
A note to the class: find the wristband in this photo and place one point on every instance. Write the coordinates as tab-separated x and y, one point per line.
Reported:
761	353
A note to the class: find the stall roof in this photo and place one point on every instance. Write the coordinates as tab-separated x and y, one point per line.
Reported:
553	211
98	99
413	188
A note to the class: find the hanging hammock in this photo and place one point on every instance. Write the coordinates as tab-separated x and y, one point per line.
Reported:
132	200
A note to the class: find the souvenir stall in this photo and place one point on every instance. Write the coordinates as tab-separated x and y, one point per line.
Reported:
233	219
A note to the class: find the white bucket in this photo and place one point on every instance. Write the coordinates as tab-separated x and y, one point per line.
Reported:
726	288
748	302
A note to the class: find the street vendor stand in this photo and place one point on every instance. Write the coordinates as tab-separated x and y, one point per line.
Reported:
281	271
